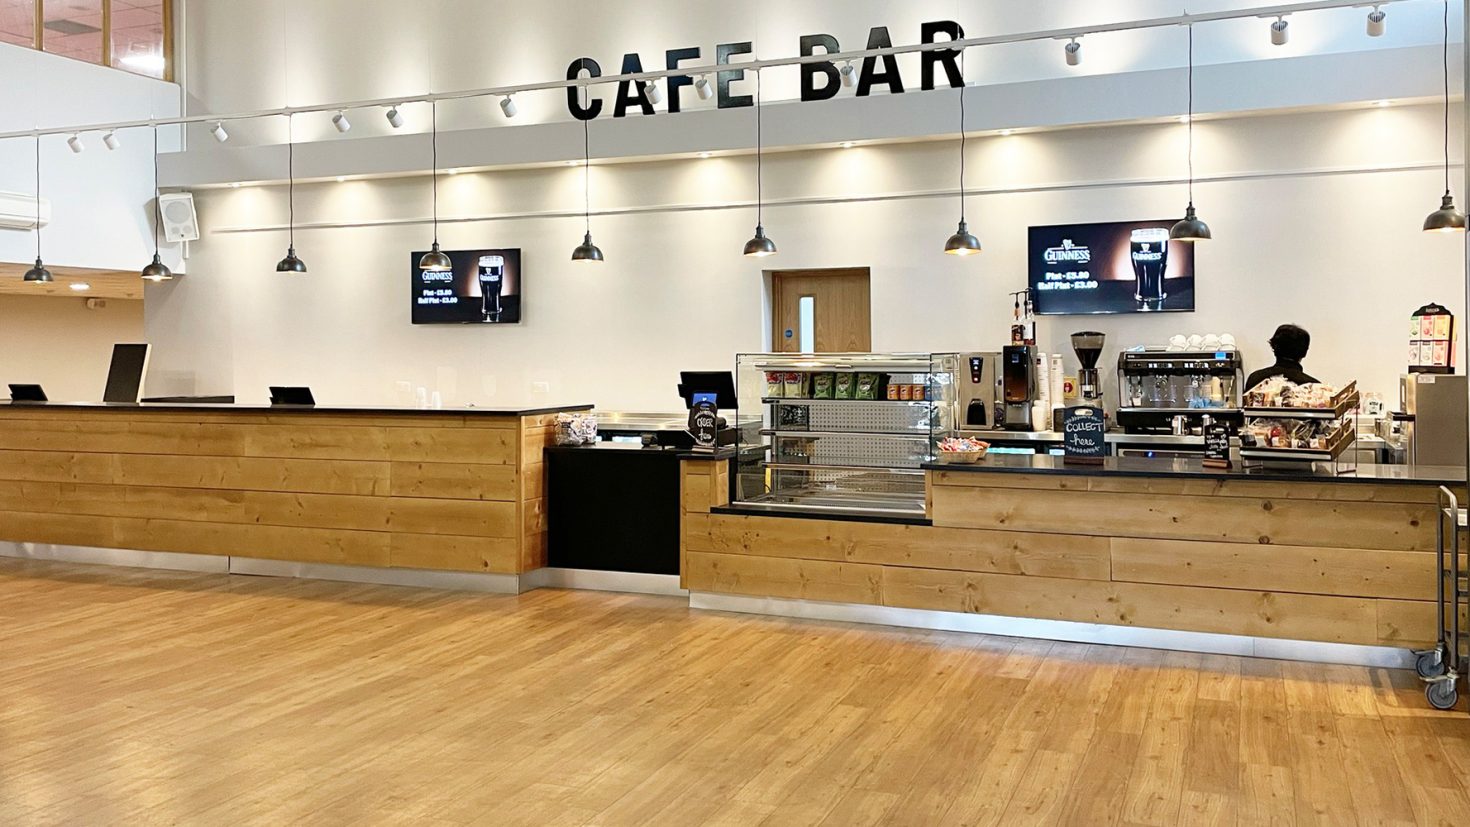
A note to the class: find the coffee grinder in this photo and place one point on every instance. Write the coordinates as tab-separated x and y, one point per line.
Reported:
1089	346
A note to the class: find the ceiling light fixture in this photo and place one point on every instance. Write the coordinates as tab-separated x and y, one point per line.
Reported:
759	246
1073	52
654	92
80	286
38	274
587	251
156	271
848	144
291	263
1006	133
849	75
234	185
1377	22
340	121
1190	228
395	118
75	142
219	132
1279	32
963	242
703	88
435	261
1383	103
1446	219
508	106
706	154
110	140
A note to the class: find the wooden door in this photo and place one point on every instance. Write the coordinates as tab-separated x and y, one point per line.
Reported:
821	311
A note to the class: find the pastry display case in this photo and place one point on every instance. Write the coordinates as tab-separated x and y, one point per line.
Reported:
843	432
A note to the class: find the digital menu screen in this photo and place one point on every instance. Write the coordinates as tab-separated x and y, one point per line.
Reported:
484	287
1116	267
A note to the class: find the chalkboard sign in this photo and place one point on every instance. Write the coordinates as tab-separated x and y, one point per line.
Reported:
704	422
1083	435
1217	445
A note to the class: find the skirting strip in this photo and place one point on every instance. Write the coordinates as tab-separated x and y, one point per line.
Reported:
1064	630
602	581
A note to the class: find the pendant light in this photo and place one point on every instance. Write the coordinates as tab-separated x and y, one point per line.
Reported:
435	261
291	264
156	271
962	243
759	246
38	274
586	251
1190	228
1446	219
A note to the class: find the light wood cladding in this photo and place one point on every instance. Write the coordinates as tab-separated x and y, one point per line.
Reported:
703	485
432	491
1320	561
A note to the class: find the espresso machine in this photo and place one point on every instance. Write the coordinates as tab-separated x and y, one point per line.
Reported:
979	391
1089	346
1018	386
1167	391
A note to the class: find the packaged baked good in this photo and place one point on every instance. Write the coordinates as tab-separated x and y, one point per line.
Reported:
822	386
905	392
866	387
891	392
775	384
795	385
844	386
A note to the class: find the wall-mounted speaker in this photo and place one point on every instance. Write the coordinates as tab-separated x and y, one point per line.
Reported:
180	221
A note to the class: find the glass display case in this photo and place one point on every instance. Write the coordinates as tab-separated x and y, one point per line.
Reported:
843	432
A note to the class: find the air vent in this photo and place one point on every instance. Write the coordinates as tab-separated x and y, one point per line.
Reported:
69	27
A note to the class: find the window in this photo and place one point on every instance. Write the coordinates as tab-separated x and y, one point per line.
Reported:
132	35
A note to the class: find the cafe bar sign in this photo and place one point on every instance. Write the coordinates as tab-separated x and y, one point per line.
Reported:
820	80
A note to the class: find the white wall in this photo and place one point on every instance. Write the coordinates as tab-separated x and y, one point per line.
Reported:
61	344
101	201
675	293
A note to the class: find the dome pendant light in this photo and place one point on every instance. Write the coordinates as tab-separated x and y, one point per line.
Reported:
156	271
586	251
38	274
435	261
291	264
759	246
962	243
1446	219
1190	228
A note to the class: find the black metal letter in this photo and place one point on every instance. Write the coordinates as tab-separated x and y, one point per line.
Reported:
878	39
631	65
574	71
810	71
949	58
723	53
678	82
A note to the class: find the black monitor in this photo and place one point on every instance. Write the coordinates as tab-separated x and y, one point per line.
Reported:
291	396
721	383
27	393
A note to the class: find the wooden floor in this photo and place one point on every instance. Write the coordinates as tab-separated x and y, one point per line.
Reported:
141	697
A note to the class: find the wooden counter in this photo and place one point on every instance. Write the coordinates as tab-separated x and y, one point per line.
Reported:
1311	559
459	491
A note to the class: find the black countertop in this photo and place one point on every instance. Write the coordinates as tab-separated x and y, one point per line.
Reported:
179	407
725	453
1154	467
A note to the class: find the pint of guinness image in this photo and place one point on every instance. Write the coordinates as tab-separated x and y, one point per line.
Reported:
1149	249
492	278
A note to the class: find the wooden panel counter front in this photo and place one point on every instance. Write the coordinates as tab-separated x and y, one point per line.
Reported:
1314	559
451	491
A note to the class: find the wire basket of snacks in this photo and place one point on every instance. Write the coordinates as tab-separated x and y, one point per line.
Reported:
962	451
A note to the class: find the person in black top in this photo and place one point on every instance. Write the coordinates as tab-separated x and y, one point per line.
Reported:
1290	344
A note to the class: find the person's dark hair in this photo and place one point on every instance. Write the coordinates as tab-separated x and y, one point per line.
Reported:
1291	342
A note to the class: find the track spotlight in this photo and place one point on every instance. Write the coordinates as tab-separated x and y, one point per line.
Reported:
219	132
1074	52
654	92
1279	33
75	142
340	121
508	106
1377	22
849	75
702	87
110	140
395	118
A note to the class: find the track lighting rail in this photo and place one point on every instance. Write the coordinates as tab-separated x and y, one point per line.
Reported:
1275	11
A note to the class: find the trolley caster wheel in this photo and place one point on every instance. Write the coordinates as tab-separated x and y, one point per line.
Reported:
1442	694
1429	665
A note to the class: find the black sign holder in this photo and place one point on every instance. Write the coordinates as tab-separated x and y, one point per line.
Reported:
1084	435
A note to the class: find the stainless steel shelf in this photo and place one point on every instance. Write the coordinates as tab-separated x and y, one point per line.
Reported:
772	400
803	466
777	432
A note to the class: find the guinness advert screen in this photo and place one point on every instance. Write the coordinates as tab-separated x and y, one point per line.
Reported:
1117	267
483	288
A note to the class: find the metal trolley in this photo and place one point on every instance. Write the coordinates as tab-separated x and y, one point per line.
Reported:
1443	666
